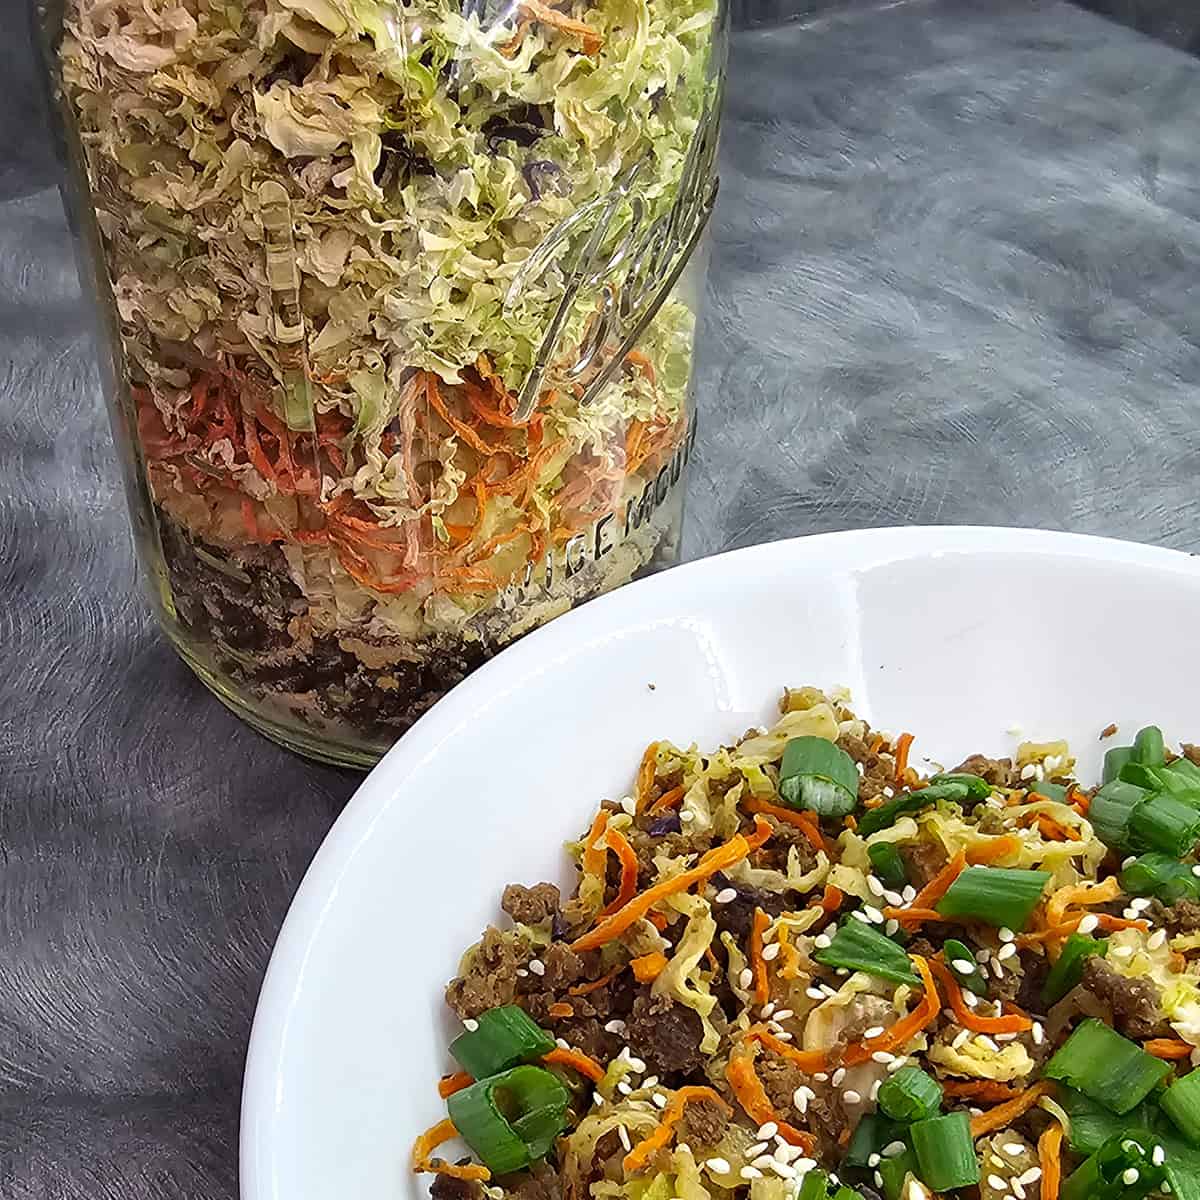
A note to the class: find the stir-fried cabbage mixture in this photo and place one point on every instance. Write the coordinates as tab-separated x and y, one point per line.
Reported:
319	219
795	968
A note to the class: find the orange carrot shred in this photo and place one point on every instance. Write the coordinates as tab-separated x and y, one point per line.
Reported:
560	1010
994	848
449	1084
668	800
649	966
1010	1023
758	965
1005	1114
639	1157
587	1066
429	1141
903	743
1050	1159
831	898
806	1060
1168	1048
585	989
939	885
752	1096
719	858
619	845
990	1090
658	920
904	1029
804	821
645	775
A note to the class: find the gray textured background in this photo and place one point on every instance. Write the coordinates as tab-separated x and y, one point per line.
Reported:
954	280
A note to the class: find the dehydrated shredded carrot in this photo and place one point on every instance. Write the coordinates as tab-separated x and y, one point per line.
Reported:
639	360
658	920
990	1090
433	397
1050	1159
595	846
1085	895
586	989
758	965
903	743
1010	1023
789	954
668	800
994	848
577	1061
639	1157
752	1096
449	1084
619	845
807	1060
429	1141
939	885
645	775
910	916
560	1010
904	1029
590	38
1111	924
1168	1048
831	898
649	966
718	859
804	821
1005	1114
1080	801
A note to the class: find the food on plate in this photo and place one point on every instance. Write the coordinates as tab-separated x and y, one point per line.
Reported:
795	968
373	268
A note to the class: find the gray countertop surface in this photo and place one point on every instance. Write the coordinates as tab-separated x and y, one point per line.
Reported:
954	279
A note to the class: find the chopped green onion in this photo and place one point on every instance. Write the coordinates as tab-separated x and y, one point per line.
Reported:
855	946
1111	809
511	1119
910	1095
887	864
894	1171
818	775
977	788
1181	1102
1092	1124
999	896
954	953
1107	1067
875	819
1183	771
846	1193
1162	876
945	1151
1122	1169
1166	824
1068	970
814	1187
503	1038
1052	791
1148	747
870	1136
1114	760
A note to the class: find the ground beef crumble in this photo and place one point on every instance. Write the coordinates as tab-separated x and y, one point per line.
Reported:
491	977
530	905
664	1034
703	1123
1135	1003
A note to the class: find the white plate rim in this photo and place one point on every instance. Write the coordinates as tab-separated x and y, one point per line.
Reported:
849	551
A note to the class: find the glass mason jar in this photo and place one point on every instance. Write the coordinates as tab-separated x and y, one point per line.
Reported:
399	303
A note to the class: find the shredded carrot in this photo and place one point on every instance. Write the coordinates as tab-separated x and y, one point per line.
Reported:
1050	1158
586	989
752	1096
560	1010
806	822
807	1060
433	398
758	965
911	917
1080	801
939	885
1168	1048
668	800
1084	895
711	959
658	920
789	954
1010	1023
429	1141
831	898
990	1090
587	1066
640	361
1005	1114
904	1029
449	1084
639	1157
717	859
649	966
590	39
1052	830
876	744
645	775
618	843
994	848
903	743
850	822
1110	924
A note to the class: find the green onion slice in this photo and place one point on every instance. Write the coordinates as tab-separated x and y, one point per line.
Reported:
1162	876
503	1038
1181	1102
895	1171
977	788
998	896
871	1134
1068	970
886	815
818	775
910	1095
945	1151
887	864
857	947
956	952
1148	747
1166	824
1111	809
1109	1068
1115	760
1122	1169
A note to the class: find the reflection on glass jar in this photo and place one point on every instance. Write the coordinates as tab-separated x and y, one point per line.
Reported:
403	305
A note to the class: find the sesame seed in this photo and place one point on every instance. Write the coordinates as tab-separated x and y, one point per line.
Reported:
873	1032
891	926
1089	923
537	966
962	966
719	1165
822	941
814	993
1018	1190
750	1173
986	1042
858	915
616	1025
771	952
1039	1034
882	1056
470	1024
960	1037
623	1134
970	999
767	1131
1158	1156
686	816
800	1101
983	955
1130	914
1006	1037
1028	771
872	1160
766	1010
875	886
1000	1185
1140	904
781	1169
724	896
909	893
1014	1148
873	1094
755	1150
1006	951
650	1081
896	1064
889	792
1196	870
851	1096
764	1161
873	914
783	1035
1130	1176
636	1064
522	973
1156	939
660	1101
746	978
1006	934
893	898
822	1076
878	1177
892	1149
1121	951
1030	1176
838	1076
629	804
784	1153
624	1088
597	1099
782	1014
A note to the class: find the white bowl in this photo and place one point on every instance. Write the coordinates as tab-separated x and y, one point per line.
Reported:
959	635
